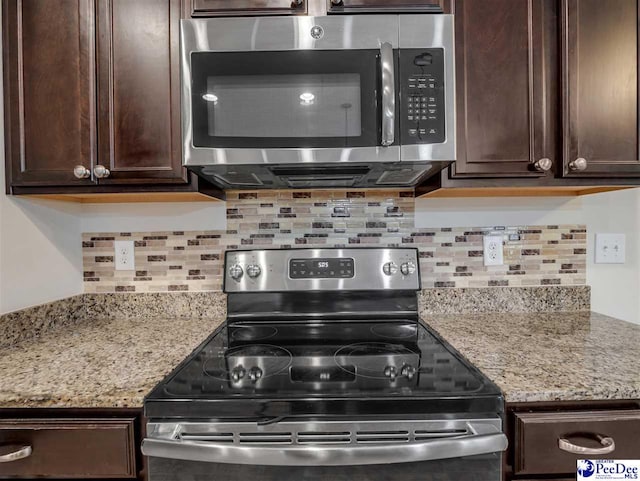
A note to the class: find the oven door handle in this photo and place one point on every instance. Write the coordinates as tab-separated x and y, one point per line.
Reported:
323	455
387	74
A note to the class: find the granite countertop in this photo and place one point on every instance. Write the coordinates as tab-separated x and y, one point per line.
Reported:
98	363
562	356
531	357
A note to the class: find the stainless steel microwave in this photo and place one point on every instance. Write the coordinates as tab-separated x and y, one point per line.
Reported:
327	101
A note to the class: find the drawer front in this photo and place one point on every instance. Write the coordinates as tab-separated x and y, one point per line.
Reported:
69	448
537	434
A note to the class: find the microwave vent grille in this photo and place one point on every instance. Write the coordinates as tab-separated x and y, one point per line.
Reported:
401	176
246	179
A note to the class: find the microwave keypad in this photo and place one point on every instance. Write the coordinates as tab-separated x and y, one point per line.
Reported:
422	96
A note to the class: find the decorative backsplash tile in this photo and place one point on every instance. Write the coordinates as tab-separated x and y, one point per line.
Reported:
449	257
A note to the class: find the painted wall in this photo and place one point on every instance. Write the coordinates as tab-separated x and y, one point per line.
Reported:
40	251
615	287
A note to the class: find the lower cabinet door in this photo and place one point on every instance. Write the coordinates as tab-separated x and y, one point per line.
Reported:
65	448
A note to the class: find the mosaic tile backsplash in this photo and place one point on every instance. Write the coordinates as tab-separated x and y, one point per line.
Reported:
449	257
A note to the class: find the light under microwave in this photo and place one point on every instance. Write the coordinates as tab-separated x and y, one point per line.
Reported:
331	101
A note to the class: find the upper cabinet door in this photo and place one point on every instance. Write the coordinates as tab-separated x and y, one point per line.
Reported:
48	91
600	85
139	91
354	6
212	8
506	97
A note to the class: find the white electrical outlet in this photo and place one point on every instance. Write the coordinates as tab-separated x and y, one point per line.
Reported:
125	256
493	253
610	248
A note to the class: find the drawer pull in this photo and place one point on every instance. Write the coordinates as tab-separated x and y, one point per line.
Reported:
608	445
18	452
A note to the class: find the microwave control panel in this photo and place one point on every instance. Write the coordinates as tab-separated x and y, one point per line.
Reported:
422	102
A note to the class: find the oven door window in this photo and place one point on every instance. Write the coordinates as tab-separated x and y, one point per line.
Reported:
301	99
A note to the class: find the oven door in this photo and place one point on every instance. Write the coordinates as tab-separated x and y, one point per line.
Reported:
289	90
411	451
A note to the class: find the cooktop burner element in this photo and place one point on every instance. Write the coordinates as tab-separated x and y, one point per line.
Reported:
248	363
253	333
394	331
376	360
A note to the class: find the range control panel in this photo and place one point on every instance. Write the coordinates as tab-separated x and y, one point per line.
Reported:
278	270
422	96
321	268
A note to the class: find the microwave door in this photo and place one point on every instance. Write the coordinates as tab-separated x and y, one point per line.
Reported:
297	106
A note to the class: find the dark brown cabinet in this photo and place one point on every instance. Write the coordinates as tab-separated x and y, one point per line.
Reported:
138	91
354	6
547	89
92	89
71	443
547	92
506	105
600	88
48	90
210	8
87	448
545	438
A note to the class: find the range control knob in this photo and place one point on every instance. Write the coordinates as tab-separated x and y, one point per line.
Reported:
255	373
238	373
235	271
391	372
408	371
253	271
390	268
407	268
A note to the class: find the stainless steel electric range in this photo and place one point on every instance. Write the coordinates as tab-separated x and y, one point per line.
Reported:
324	371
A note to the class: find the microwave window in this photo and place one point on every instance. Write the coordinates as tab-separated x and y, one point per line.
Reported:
284	106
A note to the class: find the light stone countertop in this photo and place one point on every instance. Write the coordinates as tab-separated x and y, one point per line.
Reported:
108	363
563	356
531	357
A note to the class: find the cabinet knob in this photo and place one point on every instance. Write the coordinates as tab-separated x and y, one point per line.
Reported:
296	3
578	164
101	172
543	165
337	3
81	172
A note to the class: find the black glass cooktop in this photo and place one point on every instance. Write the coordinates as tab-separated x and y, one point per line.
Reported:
275	369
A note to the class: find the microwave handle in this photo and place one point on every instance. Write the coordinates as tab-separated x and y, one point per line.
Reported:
388	94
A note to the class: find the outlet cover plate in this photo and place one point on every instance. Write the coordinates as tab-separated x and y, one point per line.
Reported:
493	250
124	258
610	249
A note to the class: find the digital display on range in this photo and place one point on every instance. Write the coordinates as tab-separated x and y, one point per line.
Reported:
336	268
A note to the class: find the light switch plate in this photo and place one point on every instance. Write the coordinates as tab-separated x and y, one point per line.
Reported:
124	256
493	251
610	249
